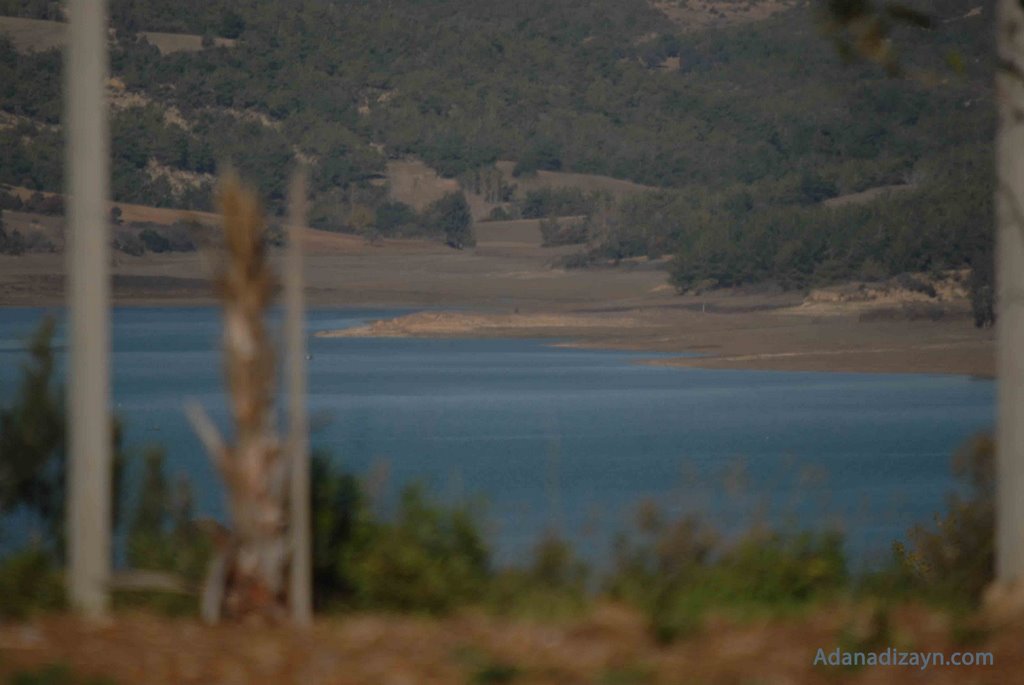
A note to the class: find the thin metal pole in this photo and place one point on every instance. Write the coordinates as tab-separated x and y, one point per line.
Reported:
301	592
88	297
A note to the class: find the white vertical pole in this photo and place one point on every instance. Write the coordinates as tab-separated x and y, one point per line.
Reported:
300	592
1010	285
88	297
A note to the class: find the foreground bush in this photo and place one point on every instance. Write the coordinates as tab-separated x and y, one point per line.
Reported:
552	586
952	562
677	571
430	558
29	583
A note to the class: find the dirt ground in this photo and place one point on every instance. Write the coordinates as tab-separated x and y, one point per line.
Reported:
509	283
609	646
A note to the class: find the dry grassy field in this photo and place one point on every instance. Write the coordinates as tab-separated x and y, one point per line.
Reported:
30	35
869	195
564	179
698	14
416	184
167	43
608	646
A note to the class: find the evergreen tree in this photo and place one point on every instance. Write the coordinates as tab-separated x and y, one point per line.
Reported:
450	217
33	448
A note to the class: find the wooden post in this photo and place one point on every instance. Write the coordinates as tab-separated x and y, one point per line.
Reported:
1010	284
300	590
88	297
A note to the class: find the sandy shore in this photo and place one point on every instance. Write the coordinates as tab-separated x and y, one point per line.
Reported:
776	340
502	289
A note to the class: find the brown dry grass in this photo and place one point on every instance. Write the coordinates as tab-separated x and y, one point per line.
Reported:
139	213
565	179
416	184
34	35
167	43
520	232
869	195
30	35
692	15
610	645
51	227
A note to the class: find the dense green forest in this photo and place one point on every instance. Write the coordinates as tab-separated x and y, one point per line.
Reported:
746	129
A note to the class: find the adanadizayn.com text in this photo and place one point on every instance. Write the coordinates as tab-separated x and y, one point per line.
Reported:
899	658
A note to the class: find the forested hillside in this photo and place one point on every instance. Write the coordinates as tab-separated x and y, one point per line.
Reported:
749	128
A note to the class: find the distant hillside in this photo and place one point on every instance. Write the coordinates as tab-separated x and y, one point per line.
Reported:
713	118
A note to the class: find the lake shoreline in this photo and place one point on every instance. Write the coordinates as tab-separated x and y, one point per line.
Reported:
942	348
755	341
518	294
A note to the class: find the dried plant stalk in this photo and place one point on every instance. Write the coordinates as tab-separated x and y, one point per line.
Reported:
249	576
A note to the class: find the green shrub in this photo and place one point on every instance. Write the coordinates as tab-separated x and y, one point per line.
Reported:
55	674
32	477
676	571
497	673
450	217
32	441
553	585
162	536
484	668
775	569
658	553
394	218
12	243
981	286
429	559
953	562
499	214
29	583
129	244
341	524
153	241
554	234
551	202
543	155
577	260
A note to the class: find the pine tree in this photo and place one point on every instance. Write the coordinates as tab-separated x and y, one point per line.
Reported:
33	444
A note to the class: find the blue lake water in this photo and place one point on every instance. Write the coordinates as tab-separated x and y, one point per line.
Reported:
566	439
